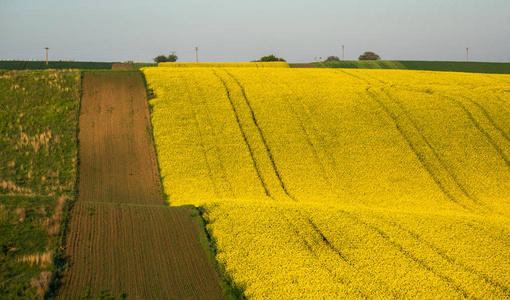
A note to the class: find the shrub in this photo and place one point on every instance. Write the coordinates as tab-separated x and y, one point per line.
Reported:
369	56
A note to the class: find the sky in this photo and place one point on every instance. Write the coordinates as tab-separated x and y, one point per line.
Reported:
245	30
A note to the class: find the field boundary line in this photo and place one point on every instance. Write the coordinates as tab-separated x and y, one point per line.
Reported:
125	204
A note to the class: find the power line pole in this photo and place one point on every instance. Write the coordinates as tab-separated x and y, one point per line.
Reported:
196	49
342	52
467	54
47	55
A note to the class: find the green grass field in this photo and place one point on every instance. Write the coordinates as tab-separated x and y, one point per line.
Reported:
450	66
41	65
38	171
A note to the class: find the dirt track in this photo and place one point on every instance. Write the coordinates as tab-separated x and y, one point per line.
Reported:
121	238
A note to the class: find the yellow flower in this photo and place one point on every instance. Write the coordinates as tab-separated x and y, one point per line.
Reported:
333	184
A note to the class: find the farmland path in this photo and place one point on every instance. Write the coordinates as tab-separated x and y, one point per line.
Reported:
120	237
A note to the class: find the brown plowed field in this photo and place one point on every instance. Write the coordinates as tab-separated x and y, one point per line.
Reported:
117	159
123	67
121	239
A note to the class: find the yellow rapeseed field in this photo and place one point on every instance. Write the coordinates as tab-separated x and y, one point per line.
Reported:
276	64
343	184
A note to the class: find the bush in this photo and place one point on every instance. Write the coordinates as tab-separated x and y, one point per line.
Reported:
369	56
161	58
270	58
172	58
332	58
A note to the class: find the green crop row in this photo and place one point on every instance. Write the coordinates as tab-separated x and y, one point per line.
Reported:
448	66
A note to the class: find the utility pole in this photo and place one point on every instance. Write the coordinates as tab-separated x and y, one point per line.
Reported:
47	55
196	49
343	52
467	54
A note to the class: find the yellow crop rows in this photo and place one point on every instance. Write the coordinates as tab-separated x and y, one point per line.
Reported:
332	184
276	64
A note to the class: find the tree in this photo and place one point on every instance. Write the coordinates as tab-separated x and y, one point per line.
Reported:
170	58
332	58
271	58
160	58
369	56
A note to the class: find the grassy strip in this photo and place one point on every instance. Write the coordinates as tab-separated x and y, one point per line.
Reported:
150	96
301	65
60	261
38	174
24	242
231	290
448	66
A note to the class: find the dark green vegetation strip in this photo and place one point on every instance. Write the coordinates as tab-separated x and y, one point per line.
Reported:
299	65
39	65
448	66
38	173
230	288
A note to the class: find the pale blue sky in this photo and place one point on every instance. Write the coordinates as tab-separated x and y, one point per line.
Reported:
236	30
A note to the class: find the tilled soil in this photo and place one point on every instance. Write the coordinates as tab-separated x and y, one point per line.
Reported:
121	239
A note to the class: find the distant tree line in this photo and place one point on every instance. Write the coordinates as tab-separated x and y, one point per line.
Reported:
365	56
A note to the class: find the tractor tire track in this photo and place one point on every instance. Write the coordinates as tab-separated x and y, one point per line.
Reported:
325	159
261	154
451	260
426	155
245	137
498	136
222	186
421	146
264	140
408	254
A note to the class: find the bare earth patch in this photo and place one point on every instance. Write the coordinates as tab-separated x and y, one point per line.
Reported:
121	239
